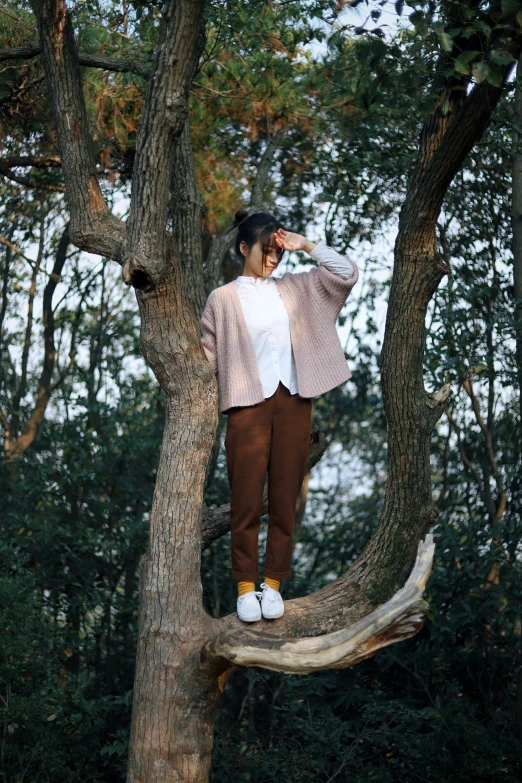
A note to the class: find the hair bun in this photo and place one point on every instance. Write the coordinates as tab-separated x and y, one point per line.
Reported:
240	215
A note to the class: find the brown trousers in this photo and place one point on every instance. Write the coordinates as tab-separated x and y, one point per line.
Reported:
273	436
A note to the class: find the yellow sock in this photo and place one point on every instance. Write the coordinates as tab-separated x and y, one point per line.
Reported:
273	583
245	587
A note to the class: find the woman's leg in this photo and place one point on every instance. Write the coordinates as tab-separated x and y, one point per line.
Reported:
247	445
289	450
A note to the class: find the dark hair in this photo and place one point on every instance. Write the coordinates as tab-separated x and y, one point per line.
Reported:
259	227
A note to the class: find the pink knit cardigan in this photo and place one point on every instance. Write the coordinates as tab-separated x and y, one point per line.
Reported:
313	301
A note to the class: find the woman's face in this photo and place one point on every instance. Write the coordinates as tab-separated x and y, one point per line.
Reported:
254	259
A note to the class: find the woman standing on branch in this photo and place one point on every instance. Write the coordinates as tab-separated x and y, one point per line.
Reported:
273	345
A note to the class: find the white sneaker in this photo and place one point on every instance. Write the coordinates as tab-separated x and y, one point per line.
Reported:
248	607
272	605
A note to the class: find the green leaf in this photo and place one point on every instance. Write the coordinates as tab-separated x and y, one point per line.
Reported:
446	42
480	72
461	67
494	76
501	57
466	57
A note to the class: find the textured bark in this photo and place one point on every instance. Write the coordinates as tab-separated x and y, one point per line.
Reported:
164	115
185	656
93	227
175	697
186	210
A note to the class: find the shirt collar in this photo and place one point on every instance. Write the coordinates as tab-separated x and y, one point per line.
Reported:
247	280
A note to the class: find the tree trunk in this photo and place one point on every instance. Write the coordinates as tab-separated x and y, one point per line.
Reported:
175	697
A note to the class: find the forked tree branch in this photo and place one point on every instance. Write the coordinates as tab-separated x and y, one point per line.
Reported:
93	227
397	619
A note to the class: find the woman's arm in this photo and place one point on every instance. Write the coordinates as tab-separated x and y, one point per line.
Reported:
319	251
333	261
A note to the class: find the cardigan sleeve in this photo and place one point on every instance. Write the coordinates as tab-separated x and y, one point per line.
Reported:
332	288
208	335
332	260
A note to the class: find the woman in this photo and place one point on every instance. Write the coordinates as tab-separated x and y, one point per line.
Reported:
273	345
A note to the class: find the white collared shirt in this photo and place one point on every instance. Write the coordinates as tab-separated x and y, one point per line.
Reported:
269	325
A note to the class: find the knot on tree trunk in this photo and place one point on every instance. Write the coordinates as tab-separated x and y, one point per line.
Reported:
176	111
436	403
136	273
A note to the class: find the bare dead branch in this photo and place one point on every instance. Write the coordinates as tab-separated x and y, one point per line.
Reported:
397	619
497	476
465	459
13	96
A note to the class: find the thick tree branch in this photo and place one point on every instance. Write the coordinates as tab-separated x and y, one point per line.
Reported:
93	227
32	183
119	64
186	209
20	52
164	115
399	618
34	161
453	143
6	164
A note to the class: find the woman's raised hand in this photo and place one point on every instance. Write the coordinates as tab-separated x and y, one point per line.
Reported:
290	241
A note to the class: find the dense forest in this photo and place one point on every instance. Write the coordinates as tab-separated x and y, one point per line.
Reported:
315	111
